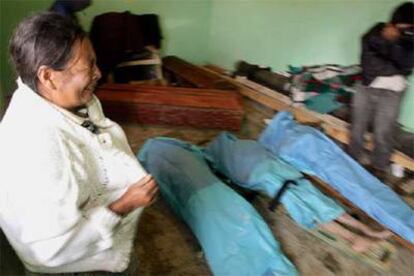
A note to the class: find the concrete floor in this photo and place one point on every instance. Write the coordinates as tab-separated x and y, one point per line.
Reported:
165	245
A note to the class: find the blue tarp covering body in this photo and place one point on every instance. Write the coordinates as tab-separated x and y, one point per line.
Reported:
310	151
248	164
234	237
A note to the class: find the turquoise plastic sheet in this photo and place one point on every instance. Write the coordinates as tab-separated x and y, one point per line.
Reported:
234	237
248	164
323	103
310	151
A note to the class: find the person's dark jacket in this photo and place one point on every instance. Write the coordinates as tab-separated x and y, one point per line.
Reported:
381	57
70	7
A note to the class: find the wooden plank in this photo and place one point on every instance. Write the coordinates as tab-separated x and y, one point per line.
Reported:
194	75
201	108
333	127
407	187
154	60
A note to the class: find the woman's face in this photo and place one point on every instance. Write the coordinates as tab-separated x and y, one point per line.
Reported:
76	83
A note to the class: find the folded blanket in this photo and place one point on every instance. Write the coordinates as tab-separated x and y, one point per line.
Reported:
310	151
234	237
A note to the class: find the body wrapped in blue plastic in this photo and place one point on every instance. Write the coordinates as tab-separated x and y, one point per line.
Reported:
234	237
310	151
248	164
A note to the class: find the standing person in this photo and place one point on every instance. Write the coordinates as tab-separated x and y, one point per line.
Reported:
71	188
70	7
387	59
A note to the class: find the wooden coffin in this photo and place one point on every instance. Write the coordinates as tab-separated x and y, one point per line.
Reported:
162	105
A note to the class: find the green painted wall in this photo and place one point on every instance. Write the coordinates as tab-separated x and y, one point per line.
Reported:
184	25
11	12
300	32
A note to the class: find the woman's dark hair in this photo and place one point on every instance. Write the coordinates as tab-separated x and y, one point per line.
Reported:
43	39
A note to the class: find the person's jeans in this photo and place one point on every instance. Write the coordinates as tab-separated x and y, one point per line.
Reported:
381	107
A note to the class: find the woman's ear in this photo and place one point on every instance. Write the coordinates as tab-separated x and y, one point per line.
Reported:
45	75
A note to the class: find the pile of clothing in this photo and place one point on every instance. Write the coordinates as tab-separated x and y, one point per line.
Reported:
324	88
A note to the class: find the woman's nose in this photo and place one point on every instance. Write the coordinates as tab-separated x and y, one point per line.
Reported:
96	73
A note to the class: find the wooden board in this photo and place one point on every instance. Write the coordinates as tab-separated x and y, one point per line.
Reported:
407	187
200	108
194	75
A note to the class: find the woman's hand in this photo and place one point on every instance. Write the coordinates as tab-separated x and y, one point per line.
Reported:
139	194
